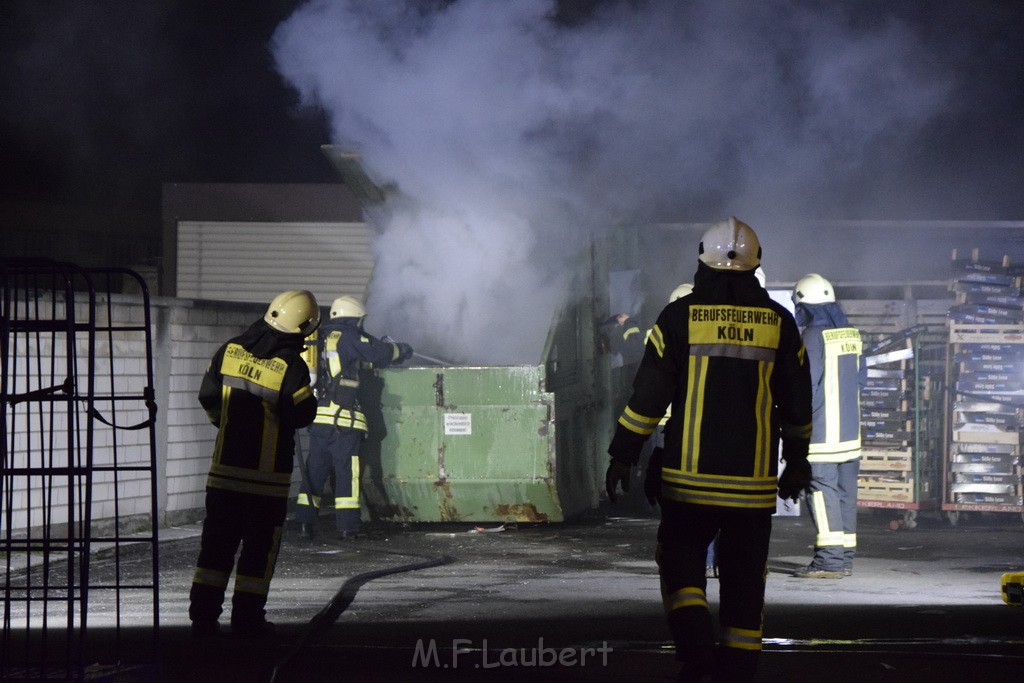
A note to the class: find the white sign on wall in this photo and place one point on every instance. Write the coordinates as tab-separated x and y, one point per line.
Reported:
458	423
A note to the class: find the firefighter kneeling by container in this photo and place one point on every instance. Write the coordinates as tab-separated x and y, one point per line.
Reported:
336	434
730	362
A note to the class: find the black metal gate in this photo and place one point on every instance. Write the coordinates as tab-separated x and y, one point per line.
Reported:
77	472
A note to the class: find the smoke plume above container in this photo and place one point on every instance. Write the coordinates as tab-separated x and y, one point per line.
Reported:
512	136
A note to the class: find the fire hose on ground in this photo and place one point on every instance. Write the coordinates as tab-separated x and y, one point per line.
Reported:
344	597
347	592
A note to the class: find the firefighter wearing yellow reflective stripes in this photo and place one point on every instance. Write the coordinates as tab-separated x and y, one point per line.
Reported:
256	392
837	373
730	362
337	433
625	338
652	477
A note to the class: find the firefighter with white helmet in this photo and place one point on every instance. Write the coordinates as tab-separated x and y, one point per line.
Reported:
347	307
345	349
729	360
837	374
680	291
813	289
730	245
293	312
256	391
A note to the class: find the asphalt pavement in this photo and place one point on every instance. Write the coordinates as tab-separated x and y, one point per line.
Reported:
580	601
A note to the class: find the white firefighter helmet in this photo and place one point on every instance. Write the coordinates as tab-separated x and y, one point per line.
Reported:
347	307
759	274
730	245
813	289
293	311
680	291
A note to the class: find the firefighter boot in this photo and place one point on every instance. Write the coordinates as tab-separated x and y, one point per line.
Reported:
253	630
813	572
734	665
691	630
205	629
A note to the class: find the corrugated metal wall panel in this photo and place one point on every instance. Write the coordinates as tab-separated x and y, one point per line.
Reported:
253	262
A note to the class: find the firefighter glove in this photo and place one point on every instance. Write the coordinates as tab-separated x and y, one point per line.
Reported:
794	449
795	479
652	478
404	352
618	473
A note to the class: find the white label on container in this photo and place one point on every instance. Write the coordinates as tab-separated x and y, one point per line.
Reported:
458	423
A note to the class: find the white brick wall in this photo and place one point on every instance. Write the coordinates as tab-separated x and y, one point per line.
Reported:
196	332
185	335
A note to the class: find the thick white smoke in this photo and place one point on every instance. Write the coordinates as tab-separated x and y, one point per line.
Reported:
512	137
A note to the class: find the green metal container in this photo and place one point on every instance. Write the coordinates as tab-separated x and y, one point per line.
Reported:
463	444
502	443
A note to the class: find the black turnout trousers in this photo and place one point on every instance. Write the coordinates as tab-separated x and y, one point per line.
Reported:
237	519
743	537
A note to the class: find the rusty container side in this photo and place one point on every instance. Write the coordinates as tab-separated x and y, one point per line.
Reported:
471	444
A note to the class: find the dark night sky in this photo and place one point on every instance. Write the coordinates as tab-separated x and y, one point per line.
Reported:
102	102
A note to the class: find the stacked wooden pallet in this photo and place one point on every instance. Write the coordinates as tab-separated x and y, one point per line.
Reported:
987	410
894	469
986	375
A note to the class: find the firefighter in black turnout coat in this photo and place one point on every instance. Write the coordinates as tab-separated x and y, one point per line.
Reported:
256	391
625	338
730	362
344	350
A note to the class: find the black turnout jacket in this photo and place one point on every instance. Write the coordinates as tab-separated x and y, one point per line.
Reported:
730	362
256	392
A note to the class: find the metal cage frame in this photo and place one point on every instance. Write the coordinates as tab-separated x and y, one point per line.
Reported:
66	463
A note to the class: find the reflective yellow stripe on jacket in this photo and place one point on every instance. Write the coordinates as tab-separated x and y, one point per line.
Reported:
841	442
751	334
336	416
263	378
